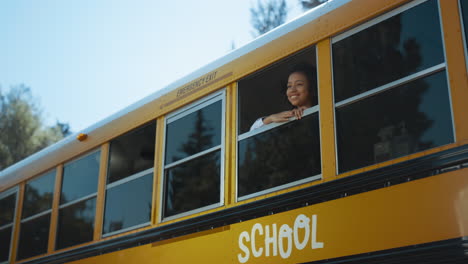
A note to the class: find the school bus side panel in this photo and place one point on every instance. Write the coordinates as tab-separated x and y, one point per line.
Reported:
382	219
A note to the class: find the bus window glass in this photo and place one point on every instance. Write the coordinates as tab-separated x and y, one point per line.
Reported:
7	209
185	192
279	154
37	204
285	154
193	165
38	195
34	237
129	188
5	237
80	178
129	204
76	216
410	110
7	215
401	45
464	17
76	224
413	124
131	153
194	133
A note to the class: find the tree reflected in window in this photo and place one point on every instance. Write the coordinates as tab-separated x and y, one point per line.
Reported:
192	176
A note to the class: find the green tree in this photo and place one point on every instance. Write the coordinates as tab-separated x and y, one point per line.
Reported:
267	15
22	131
309	4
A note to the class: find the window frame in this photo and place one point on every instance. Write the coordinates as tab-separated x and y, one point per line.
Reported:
176	115
394	84
118	183
4	194
79	200
248	134
128	179
38	215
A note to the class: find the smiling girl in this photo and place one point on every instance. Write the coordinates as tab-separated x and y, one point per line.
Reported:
300	92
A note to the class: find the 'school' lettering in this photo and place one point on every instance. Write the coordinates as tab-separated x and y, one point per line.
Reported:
281	241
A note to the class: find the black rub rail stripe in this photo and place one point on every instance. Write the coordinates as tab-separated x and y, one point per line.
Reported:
426	166
451	251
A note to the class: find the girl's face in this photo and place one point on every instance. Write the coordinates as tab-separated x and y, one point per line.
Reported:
298	90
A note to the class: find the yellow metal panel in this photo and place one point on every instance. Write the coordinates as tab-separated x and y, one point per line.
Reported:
456	65
158	165
101	191
17	222
327	120
230	145
426	210
55	208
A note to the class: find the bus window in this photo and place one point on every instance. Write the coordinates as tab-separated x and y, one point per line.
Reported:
390	87
464	17
37	209
279	154
130	180
7	216
78	201
193	158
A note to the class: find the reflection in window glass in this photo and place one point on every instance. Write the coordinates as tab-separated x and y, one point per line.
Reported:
76	224
7	209
464	14
5	238
128	204
7	215
80	178
398	122
193	184
279	156
194	133
34	237
192	171
38	195
131	153
399	46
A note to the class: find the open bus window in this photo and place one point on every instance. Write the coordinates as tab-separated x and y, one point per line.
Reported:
193	158
78	201
37	210
130	180
7	216
279	154
391	89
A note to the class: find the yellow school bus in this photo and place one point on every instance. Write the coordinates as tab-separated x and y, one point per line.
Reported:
373	171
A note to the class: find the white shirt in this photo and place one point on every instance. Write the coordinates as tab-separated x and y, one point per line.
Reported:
257	124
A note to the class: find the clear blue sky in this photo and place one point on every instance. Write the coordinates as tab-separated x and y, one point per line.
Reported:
87	59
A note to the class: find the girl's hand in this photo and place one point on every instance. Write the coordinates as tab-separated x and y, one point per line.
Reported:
298	112
278	117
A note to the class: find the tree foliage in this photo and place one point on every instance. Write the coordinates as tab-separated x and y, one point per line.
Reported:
268	14
309	4
22	131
